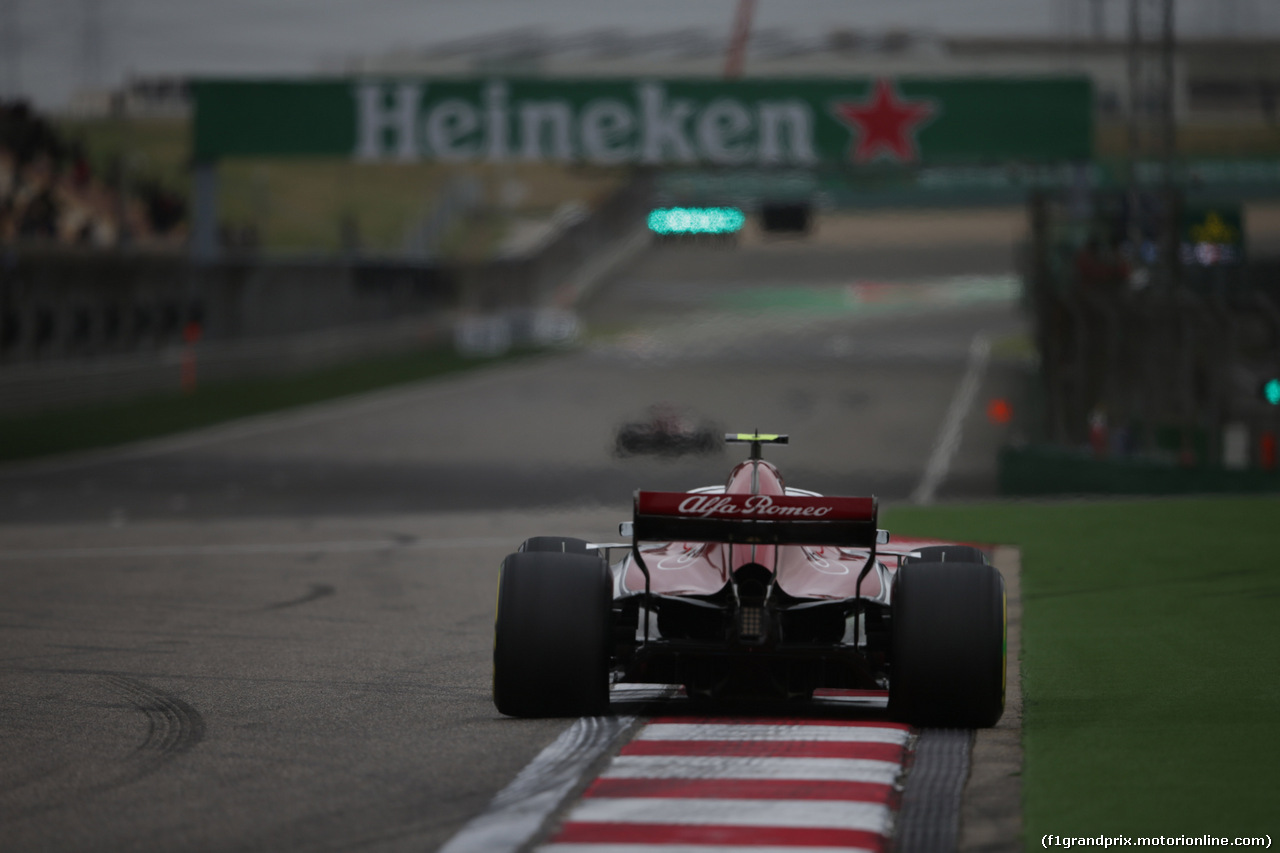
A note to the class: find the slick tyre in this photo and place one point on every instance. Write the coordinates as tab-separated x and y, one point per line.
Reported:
558	544
551	635
946	554
948	647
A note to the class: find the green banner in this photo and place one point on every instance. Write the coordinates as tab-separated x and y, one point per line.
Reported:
746	123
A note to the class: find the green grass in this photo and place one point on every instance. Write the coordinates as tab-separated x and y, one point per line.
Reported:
1151	642
108	424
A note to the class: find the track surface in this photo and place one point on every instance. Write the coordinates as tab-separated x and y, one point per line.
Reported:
275	635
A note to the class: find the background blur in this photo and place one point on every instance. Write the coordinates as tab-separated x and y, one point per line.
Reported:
57	49
1167	224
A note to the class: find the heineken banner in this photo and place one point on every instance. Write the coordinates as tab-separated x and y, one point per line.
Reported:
744	123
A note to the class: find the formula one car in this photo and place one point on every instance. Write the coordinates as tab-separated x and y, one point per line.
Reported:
668	431
751	589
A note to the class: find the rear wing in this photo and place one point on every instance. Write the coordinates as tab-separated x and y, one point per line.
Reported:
755	519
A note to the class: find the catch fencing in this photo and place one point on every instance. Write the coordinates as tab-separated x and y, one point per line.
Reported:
1160	362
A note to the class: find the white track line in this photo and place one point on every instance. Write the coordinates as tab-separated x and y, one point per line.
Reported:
948	441
521	808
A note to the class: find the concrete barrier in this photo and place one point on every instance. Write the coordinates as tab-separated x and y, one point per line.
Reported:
65	305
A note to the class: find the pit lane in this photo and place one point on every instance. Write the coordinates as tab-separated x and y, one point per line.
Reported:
274	635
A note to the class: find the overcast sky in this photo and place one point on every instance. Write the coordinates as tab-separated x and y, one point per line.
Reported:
49	48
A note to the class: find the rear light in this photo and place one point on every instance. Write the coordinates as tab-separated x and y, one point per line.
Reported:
751	622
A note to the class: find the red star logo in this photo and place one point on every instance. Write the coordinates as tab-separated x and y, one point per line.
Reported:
884	125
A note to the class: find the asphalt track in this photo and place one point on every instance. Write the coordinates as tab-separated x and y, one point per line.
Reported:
274	635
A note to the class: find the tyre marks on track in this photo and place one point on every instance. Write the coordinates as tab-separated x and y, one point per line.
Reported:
314	592
172	728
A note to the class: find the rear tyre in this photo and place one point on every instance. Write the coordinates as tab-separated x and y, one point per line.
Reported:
946	554
559	544
948	654
551	635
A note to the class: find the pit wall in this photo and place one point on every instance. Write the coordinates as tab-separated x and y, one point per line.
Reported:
1035	471
77	326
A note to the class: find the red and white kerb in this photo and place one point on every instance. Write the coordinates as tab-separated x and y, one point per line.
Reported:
715	785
